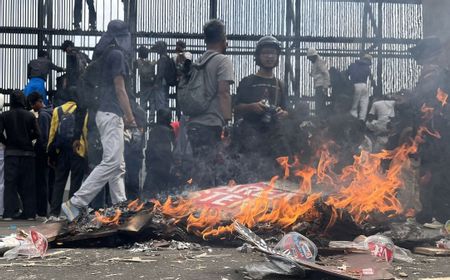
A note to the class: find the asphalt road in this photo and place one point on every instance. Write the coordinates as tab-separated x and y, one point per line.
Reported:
204	262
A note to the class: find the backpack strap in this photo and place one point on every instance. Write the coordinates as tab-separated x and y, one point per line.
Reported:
61	112
204	62
277	91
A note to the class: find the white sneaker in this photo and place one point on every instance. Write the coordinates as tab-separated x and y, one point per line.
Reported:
70	210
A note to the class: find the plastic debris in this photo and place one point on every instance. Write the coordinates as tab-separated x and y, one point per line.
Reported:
32	244
443	244
403	255
380	246
297	246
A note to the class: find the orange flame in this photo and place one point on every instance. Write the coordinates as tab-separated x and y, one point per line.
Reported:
108	220
135	206
284	162
306	174
442	96
361	189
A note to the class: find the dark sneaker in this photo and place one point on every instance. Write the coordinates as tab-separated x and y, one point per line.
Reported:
70	210
92	27
77	26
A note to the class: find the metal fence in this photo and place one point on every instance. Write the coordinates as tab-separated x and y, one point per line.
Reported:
339	29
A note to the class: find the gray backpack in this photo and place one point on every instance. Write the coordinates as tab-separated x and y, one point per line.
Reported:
192	95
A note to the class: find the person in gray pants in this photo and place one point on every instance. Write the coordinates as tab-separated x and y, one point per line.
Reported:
113	115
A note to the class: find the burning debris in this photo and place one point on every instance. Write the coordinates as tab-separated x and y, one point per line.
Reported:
329	202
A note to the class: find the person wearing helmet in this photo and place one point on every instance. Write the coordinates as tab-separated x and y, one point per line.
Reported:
359	72
260	105
321	79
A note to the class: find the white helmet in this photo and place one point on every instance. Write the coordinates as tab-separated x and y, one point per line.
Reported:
311	52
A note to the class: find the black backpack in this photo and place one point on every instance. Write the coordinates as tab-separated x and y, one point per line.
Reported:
146	71
66	128
171	73
82	62
91	86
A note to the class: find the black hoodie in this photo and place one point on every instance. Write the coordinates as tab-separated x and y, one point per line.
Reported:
18	128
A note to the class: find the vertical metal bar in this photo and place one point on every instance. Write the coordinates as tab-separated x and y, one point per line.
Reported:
364	24
40	25
50	39
126	8
379	90
132	22
287	63
296	83
212	9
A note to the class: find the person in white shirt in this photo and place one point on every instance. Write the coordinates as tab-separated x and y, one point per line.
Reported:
321	78
380	115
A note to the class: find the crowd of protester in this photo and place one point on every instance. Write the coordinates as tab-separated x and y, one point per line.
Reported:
123	146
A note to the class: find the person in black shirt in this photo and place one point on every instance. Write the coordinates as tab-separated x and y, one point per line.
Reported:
159	156
147	78
260	105
161	86
76	62
18	128
37	73
42	169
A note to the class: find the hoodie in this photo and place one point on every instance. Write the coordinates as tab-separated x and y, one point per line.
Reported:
18	128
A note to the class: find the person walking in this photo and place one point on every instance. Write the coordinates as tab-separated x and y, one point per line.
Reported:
113	115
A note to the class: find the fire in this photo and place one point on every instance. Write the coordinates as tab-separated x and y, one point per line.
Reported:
442	96
306	174
109	220
135	205
284	162
361	189
325	174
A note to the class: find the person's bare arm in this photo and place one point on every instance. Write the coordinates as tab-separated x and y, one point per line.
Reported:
225	99
121	93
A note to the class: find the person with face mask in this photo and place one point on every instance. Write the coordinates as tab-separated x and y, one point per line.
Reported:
260	105
113	115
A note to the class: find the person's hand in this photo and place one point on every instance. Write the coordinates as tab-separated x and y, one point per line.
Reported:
76	145
281	114
258	107
129	122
